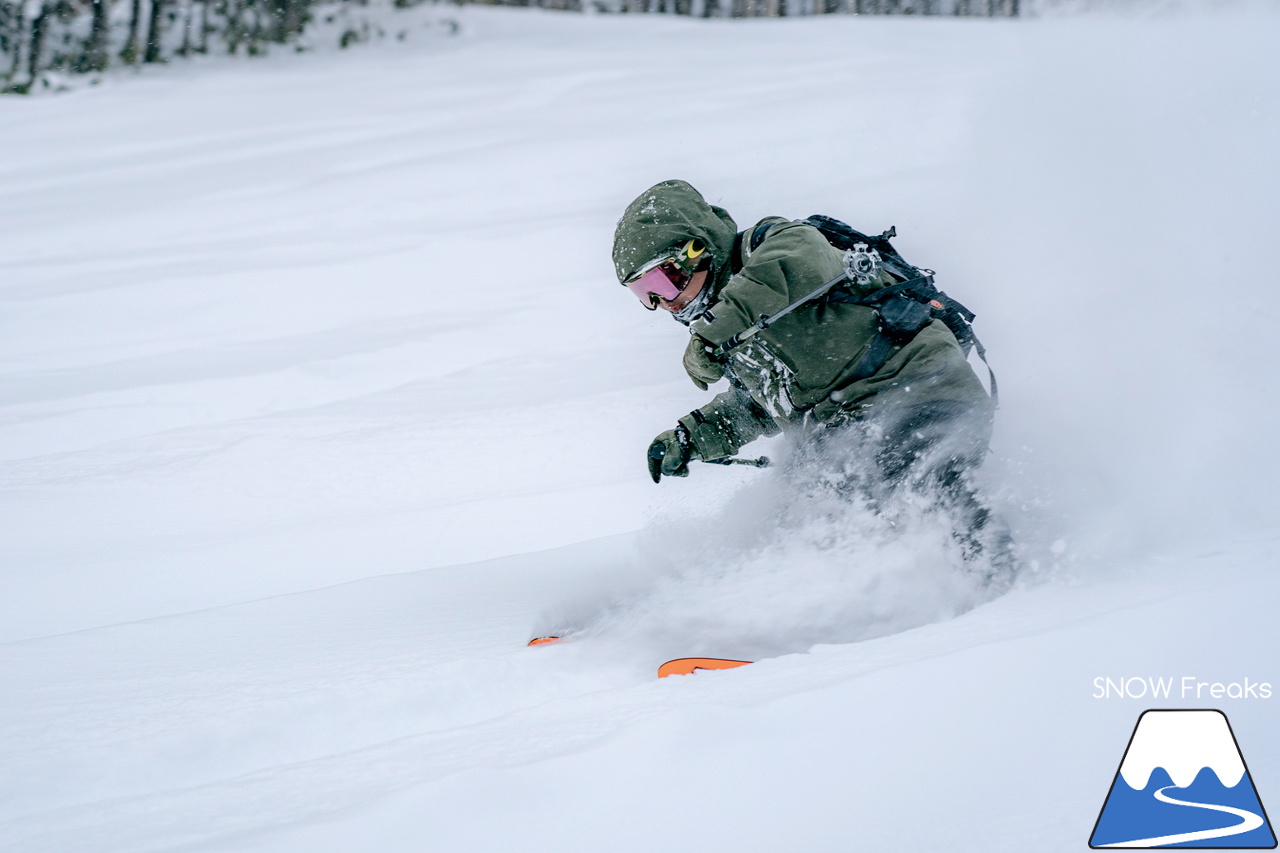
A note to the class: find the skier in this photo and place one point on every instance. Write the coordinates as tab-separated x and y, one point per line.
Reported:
909	407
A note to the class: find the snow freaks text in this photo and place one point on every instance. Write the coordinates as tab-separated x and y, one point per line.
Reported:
1186	687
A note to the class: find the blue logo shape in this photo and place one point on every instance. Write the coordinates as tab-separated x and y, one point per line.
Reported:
1183	783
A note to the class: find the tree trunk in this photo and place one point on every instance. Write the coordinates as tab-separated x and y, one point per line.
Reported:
19	36
154	25
100	29
131	54
203	46
39	28
188	20
236	30
295	17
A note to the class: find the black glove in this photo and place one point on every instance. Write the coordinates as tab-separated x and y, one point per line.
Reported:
671	453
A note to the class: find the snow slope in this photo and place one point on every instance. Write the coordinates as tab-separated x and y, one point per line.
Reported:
318	401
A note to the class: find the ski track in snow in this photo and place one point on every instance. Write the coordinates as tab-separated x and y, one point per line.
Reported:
318	400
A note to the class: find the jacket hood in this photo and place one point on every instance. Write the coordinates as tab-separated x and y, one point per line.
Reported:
665	217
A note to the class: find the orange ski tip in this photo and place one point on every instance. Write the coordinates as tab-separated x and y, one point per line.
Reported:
684	666
538	641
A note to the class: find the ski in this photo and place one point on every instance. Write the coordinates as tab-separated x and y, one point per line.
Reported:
685	666
679	666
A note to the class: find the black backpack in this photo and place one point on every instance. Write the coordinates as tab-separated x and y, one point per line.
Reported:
903	308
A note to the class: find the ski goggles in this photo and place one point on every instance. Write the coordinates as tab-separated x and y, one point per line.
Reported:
666	276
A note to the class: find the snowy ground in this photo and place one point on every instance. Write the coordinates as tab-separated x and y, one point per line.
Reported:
319	400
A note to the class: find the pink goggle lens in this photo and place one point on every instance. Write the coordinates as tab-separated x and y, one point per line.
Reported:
656	282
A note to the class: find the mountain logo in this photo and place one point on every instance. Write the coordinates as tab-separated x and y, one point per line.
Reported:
1183	783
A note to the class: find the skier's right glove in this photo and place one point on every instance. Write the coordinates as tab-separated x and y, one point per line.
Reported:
671	453
701	366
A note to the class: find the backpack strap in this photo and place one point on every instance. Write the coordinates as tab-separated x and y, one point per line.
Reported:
888	334
735	254
746	242
982	354
873	359
758	234
934	304
878	354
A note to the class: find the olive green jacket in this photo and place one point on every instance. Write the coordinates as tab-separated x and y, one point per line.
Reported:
798	373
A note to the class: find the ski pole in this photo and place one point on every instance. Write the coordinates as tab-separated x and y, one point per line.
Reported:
759	462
